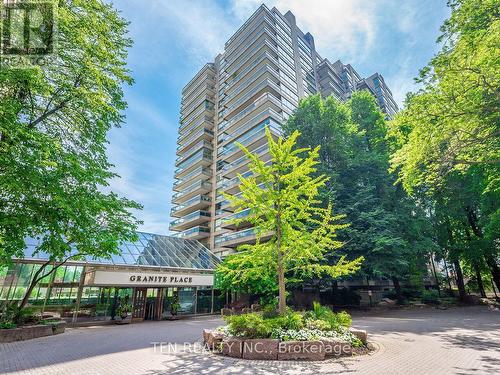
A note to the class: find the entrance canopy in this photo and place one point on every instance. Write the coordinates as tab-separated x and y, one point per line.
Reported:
149	250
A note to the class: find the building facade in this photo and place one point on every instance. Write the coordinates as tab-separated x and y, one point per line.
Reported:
148	273
266	67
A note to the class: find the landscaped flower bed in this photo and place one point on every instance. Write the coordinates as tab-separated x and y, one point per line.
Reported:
28	332
312	335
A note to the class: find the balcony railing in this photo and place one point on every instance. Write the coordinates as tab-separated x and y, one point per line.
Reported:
201	145
190	217
196	186
193	232
260	100
183	143
191	202
200	170
203	155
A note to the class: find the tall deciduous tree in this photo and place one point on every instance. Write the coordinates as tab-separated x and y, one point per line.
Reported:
446	140
281	201
53	125
387	228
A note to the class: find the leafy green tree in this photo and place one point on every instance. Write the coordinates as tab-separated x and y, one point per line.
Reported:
281	199
451	124
387	228
53	125
445	141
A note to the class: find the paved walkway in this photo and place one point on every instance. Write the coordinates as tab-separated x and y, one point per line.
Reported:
427	341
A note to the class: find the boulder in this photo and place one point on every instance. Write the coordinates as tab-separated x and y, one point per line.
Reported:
232	347
336	348
246	310
214	338
360	334
58	327
305	350
265	349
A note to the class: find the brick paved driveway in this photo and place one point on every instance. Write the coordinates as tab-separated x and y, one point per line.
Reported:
427	341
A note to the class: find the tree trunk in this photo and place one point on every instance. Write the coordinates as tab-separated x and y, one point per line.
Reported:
34	281
447	275
494	269
479	280
460	280
490	259
397	288
281	270
435	276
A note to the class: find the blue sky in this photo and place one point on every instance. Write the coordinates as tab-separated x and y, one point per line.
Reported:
173	39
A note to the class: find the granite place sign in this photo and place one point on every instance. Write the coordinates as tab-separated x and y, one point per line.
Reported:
160	279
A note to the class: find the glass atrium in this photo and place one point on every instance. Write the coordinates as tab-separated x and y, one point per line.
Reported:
70	292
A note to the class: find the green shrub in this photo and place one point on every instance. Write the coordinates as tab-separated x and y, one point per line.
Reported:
430	297
251	326
7	325
325	314
270	311
318	324
343	319
11	313
291	320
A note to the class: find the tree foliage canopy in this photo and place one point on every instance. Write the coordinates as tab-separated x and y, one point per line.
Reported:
445	143
280	200
387	228
54	120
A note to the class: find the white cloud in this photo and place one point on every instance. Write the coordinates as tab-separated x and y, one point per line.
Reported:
342	29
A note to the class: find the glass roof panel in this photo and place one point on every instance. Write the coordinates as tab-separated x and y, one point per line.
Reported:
151	250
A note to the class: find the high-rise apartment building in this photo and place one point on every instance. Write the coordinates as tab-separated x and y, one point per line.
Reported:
267	66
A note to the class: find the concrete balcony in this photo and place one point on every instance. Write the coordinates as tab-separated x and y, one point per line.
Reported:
227	221
186	143
206	109
266	105
204	159
251	140
231	170
193	219
186	132
198	188
196	233
207	88
197	147
193	204
235	239
200	173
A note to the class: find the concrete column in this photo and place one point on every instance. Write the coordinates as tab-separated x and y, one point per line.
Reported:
79	295
212	302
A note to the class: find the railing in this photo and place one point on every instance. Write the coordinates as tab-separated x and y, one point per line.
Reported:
191	216
192	231
253	134
235	235
191	188
261	99
203	144
198	156
185	142
236	216
197	171
191	202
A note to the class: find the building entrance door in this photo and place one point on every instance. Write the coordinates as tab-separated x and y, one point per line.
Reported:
139	308
154	304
